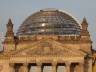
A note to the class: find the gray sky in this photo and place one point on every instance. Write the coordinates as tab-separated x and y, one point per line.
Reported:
19	10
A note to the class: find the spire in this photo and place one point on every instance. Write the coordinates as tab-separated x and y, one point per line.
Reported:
84	24
84	27
84	21
9	37
9	27
9	22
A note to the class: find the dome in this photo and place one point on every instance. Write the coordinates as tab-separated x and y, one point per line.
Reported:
49	22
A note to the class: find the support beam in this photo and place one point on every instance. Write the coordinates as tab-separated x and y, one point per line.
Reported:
68	66
25	67
54	67
12	67
82	67
39	67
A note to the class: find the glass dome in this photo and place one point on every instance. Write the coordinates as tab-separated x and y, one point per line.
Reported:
49	22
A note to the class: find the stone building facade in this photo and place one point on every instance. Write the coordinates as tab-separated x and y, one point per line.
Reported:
48	37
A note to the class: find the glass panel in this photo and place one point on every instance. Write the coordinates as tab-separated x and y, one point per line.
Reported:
49	23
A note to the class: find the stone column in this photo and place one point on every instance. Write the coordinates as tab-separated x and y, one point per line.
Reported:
82	67
39	67
68	66
25	67
90	68
54	67
12	67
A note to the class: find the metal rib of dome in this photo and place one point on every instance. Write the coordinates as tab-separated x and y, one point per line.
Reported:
49	22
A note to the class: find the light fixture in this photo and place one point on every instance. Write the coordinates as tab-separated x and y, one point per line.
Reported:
43	24
42	30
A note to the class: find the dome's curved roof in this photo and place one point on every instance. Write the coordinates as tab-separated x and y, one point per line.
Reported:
49	22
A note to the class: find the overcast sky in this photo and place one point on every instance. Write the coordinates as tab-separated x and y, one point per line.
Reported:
19	10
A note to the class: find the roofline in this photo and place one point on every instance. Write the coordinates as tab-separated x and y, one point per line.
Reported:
72	17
